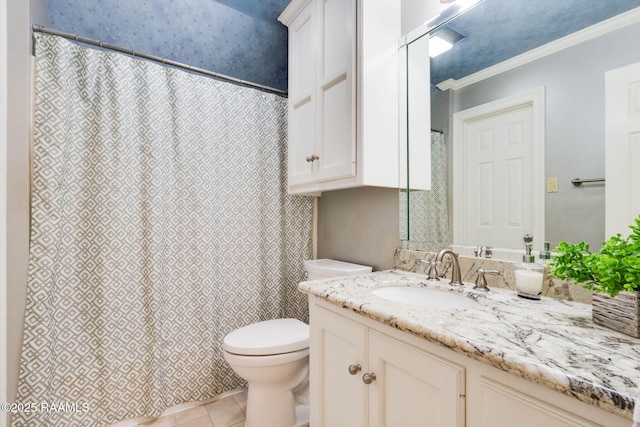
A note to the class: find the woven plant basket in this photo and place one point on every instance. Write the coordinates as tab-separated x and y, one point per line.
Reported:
621	313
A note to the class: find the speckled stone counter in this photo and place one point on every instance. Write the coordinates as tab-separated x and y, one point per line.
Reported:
551	342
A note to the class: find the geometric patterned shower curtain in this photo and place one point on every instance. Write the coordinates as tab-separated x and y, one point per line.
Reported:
160	223
426	224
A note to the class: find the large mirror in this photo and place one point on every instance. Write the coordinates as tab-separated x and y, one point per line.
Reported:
517	112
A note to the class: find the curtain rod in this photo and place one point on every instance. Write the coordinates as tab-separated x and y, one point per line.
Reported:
41	29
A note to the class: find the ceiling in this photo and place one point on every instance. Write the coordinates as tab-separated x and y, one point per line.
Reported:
265	10
496	30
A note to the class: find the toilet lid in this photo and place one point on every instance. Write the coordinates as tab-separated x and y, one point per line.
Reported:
268	337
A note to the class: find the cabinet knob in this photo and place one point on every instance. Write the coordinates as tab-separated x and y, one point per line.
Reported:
354	369
311	158
368	378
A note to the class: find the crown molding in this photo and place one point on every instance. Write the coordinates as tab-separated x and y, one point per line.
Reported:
290	12
601	28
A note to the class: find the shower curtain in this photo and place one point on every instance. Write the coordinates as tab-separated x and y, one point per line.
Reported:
160	223
428	219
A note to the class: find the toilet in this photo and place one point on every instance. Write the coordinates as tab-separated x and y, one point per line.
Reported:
273	357
325	268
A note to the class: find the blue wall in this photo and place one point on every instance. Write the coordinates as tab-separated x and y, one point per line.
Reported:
239	38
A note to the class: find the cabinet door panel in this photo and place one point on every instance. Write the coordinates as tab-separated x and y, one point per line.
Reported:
338	35
336	155
336	105
503	406
337	397
413	388
302	132
302	112
302	33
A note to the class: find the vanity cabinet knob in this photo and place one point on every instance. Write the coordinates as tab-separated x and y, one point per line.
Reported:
312	158
368	378
354	369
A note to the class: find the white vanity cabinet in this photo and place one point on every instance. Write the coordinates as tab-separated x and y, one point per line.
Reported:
343	94
418	383
361	377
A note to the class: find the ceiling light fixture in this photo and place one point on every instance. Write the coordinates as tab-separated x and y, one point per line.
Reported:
443	40
466	4
438	46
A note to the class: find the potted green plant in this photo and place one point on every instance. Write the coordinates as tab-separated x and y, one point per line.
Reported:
613	274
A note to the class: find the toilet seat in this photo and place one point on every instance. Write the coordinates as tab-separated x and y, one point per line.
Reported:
237	360
270	337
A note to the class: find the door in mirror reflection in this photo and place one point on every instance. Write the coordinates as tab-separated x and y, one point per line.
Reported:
622	171
495	158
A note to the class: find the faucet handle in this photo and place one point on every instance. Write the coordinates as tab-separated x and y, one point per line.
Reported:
481	282
433	272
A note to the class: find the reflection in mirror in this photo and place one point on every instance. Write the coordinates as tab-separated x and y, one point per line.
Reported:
431	206
511	47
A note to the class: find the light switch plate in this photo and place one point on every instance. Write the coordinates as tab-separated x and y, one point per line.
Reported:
552	184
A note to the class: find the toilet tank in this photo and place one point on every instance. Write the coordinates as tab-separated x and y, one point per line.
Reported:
324	268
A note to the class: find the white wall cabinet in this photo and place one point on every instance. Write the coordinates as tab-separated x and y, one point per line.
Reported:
418	383
343	94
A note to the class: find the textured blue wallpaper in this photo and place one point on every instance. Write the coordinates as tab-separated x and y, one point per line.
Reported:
243	39
497	30
239	38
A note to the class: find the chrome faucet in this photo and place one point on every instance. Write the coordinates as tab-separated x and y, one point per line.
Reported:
477	252
455	267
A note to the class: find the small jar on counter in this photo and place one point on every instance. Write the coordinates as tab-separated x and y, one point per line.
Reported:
529	279
529	274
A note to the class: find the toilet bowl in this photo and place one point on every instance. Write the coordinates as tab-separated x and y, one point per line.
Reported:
273	357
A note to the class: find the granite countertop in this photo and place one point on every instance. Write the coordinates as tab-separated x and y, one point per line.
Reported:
550	342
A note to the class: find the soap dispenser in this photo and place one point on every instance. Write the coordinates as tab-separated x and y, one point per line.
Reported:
545	255
529	274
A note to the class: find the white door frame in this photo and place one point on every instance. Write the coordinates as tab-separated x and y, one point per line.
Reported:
534	98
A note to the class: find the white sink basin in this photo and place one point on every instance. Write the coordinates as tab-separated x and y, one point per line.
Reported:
423	297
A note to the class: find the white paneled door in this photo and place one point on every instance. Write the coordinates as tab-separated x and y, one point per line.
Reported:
498	173
622	153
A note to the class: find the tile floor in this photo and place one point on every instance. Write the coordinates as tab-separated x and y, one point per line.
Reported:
226	411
